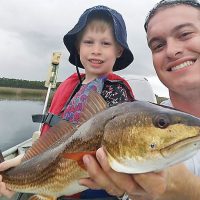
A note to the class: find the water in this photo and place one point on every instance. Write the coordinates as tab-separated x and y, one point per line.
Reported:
16	121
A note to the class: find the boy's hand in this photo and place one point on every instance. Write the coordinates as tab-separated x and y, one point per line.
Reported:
6	165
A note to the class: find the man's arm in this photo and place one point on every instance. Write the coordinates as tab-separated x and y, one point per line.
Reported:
181	184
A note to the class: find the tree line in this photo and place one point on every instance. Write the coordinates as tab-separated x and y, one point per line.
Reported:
19	83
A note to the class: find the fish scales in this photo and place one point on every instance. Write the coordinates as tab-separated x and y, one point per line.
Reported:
137	136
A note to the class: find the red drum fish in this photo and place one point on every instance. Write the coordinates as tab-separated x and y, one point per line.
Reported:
137	136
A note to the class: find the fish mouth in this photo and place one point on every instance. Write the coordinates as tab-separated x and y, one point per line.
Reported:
187	143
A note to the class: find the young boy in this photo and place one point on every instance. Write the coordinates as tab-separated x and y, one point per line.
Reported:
98	44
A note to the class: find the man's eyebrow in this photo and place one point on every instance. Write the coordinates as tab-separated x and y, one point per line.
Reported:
175	29
182	26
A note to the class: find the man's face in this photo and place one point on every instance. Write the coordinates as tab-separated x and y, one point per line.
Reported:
173	36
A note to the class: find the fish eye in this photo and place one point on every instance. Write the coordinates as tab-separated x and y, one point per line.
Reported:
161	121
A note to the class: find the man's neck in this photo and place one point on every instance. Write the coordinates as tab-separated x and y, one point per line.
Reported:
189	103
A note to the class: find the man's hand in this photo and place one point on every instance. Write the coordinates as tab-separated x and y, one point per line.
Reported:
140	186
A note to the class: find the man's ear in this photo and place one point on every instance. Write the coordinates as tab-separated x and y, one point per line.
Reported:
120	51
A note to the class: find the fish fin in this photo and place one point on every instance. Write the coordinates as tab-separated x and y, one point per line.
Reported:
1	157
78	157
62	130
95	104
41	197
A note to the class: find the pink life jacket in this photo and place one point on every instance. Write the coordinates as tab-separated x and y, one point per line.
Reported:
66	88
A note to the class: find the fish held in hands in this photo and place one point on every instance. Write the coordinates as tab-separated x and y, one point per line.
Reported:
137	136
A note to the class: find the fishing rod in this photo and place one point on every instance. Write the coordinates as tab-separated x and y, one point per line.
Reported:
49	83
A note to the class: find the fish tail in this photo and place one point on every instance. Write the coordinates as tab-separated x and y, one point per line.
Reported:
41	197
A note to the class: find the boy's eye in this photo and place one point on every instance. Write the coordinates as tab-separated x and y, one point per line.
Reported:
106	43
87	41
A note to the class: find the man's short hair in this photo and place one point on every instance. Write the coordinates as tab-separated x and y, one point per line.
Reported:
166	4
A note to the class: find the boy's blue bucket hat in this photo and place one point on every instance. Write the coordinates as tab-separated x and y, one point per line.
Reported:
119	32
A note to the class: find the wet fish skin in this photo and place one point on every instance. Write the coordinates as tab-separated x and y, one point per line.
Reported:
133	134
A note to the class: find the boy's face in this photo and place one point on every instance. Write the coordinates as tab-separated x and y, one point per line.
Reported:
173	36
98	51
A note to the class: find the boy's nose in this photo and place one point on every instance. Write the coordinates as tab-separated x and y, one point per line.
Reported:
174	49
96	49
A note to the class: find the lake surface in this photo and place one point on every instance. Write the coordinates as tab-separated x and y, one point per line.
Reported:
16	121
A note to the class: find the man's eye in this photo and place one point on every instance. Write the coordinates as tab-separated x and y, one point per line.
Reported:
157	47
185	35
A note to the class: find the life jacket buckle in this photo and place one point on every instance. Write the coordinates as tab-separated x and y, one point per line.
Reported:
48	118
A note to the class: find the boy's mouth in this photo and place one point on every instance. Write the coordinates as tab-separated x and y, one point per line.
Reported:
96	61
182	65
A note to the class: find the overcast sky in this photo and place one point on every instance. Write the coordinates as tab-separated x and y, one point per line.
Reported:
31	30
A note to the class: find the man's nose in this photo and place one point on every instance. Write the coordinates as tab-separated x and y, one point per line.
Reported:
174	49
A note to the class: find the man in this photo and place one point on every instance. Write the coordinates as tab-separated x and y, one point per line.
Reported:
173	35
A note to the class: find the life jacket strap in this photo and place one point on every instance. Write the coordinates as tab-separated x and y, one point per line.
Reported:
48	118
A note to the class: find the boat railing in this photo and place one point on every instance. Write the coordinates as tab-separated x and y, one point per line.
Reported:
17	149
